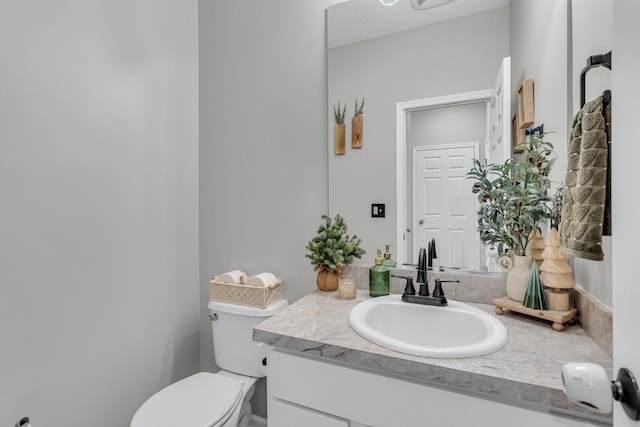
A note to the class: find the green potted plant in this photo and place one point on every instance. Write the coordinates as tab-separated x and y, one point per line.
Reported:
513	200
332	249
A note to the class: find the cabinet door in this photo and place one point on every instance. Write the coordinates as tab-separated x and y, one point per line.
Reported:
282	414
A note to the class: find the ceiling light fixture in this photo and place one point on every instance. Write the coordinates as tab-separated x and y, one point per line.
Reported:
388	2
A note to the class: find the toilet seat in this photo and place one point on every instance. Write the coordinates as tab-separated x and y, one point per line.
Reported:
201	400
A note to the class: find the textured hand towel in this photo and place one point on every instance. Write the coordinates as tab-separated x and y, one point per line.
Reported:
585	191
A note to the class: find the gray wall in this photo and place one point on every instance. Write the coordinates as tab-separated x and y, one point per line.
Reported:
449	125
263	156
99	219
455	56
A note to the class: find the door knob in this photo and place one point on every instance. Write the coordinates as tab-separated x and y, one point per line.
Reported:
587	385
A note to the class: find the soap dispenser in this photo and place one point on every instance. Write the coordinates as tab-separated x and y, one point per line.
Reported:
388	262
379	277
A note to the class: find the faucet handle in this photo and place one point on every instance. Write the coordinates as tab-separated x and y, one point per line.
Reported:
408	289
437	291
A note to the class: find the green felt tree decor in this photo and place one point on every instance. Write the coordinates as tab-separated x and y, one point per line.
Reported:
534	297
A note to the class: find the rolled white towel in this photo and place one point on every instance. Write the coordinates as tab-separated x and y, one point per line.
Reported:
263	280
234	276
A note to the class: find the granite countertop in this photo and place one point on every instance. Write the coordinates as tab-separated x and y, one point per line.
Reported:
525	373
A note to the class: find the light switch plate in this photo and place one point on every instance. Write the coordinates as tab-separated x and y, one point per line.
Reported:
377	210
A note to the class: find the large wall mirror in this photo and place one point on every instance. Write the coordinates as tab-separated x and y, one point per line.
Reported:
413	55
455	50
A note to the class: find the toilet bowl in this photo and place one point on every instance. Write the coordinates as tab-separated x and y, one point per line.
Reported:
216	399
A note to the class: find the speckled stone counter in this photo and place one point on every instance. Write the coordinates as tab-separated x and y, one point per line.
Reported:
525	373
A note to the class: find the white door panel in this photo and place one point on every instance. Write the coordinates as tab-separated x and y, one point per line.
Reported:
444	207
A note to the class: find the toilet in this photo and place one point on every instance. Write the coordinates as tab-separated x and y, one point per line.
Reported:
221	399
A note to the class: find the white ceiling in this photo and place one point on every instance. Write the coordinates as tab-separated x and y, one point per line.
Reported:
358	20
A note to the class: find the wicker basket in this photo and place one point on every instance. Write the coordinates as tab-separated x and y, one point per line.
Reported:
254	296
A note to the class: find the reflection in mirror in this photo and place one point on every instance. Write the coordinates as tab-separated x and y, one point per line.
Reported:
442	144
434	201
455	56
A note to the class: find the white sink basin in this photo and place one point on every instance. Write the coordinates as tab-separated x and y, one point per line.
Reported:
454	331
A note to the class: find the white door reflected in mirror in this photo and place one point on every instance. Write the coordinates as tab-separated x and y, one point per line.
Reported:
443	207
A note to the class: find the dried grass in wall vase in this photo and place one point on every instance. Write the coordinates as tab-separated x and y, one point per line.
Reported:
534	297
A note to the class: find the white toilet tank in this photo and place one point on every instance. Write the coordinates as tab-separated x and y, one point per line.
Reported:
232	327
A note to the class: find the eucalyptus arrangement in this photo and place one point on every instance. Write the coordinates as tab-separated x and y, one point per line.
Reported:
513	196
339	114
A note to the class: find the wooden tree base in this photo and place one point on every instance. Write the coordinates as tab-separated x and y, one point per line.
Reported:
559	318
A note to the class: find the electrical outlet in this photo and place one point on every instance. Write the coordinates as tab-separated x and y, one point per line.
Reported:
377	210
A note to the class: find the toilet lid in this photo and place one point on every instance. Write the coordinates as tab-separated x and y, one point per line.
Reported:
201	400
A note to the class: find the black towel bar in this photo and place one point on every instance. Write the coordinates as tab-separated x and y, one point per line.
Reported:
592	62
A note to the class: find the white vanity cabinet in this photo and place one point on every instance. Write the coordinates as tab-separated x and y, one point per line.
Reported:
311	392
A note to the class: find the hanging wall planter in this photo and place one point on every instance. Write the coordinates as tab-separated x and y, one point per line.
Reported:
339	128
356	132
340	138
356	126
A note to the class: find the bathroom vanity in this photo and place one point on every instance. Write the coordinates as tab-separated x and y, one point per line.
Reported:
321	373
